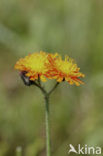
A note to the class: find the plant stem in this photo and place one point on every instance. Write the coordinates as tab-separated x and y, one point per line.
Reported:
55	86
47	125
46	95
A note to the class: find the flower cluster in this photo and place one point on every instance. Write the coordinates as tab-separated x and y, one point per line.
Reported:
46	65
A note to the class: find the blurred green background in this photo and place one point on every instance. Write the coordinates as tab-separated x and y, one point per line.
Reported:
69	27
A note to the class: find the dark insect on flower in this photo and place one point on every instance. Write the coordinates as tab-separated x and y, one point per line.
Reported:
26	79
63	79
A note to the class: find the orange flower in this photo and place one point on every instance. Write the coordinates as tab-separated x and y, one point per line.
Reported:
45	65
34	65
64	70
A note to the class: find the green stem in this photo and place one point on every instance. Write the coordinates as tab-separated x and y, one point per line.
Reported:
55	86
46	95
47	125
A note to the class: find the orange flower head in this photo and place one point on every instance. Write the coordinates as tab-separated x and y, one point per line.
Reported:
33	65
64	69
45	65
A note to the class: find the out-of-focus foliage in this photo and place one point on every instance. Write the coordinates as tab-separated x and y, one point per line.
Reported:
69	27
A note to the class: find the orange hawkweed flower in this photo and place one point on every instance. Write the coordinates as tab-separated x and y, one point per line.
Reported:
64	70
34	65
44	65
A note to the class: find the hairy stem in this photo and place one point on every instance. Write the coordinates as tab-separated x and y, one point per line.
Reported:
40	87
55	86
47	120
47	125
